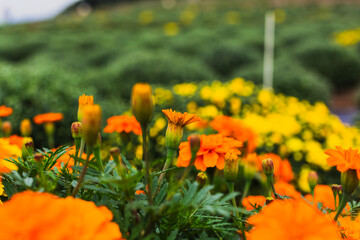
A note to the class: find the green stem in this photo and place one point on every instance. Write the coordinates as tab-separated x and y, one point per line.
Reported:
344	200
83	171
246	189
77	148
231	190
147	164
169	158
270	181
82	146
335	199
51	140
98	159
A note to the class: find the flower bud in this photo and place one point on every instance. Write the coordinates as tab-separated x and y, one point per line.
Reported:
336	188
201	178
38	157
268	166
115	152
25	127
6	128
84	101
91	122
349	181
312	179
142	102
195	143
29	145
231	166
76	130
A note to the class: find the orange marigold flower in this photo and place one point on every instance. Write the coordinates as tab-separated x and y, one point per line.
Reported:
211	153
282	168
287	189
323	194
344	159
57	218
251	201
349	227
66	158
16	140
180	119
235	128
123	123
48	118
292	219
8	150
5	111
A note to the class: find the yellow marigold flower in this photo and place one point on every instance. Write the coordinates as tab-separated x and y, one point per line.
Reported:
171	29
8	150
55	218
142	103
84	100
176	123
146	17
91	122
274	220
25	127
185	89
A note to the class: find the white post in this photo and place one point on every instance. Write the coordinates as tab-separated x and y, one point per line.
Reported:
269	49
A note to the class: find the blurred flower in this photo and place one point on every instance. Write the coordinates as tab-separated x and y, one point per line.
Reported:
287	189
233	17
212	151
91	122
142	102
280	15
84	100
122	123
290	219
251	201
322	194
171	29
185	89
146	17
348	37
5	111
59	218
8	151
48	118
187	17
162	96
25	127
282	168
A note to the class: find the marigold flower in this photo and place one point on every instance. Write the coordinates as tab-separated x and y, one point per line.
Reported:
122	123
48	118
176	123
91	122
84	101
142	103
16	140
349	227
322	194
8	150
5	111
25	127
344	159
286	189
6	128
251	201
211	153
55	217
292	219
235	128
67	159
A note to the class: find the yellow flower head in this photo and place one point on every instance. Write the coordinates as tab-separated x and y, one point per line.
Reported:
84	100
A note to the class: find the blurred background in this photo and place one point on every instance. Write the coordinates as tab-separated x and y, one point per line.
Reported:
51	52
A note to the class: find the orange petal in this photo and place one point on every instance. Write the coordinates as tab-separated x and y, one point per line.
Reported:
210	159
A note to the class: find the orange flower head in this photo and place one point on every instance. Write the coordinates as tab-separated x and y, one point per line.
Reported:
251	201
91	122
322	194
211	153
48	118
235	128
84	101
292	219
123	124
59	218
66	159
176	123
6	128
344	159
142	103
25	127
286	189
5	111
8	150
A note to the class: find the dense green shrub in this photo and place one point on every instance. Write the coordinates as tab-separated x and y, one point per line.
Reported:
337	64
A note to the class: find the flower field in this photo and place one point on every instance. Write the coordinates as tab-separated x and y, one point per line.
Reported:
150	121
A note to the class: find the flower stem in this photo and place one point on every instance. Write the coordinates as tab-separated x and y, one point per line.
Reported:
147	164
344	199
169	158
82	145
246	189
83	171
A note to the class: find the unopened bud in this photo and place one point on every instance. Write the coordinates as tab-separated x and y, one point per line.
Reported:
312	179
142	102
38	157
91	122
231	167
336	188
268	166
76	130
201	178
29	145
25	127
349	181
195	143
114	152
6	128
